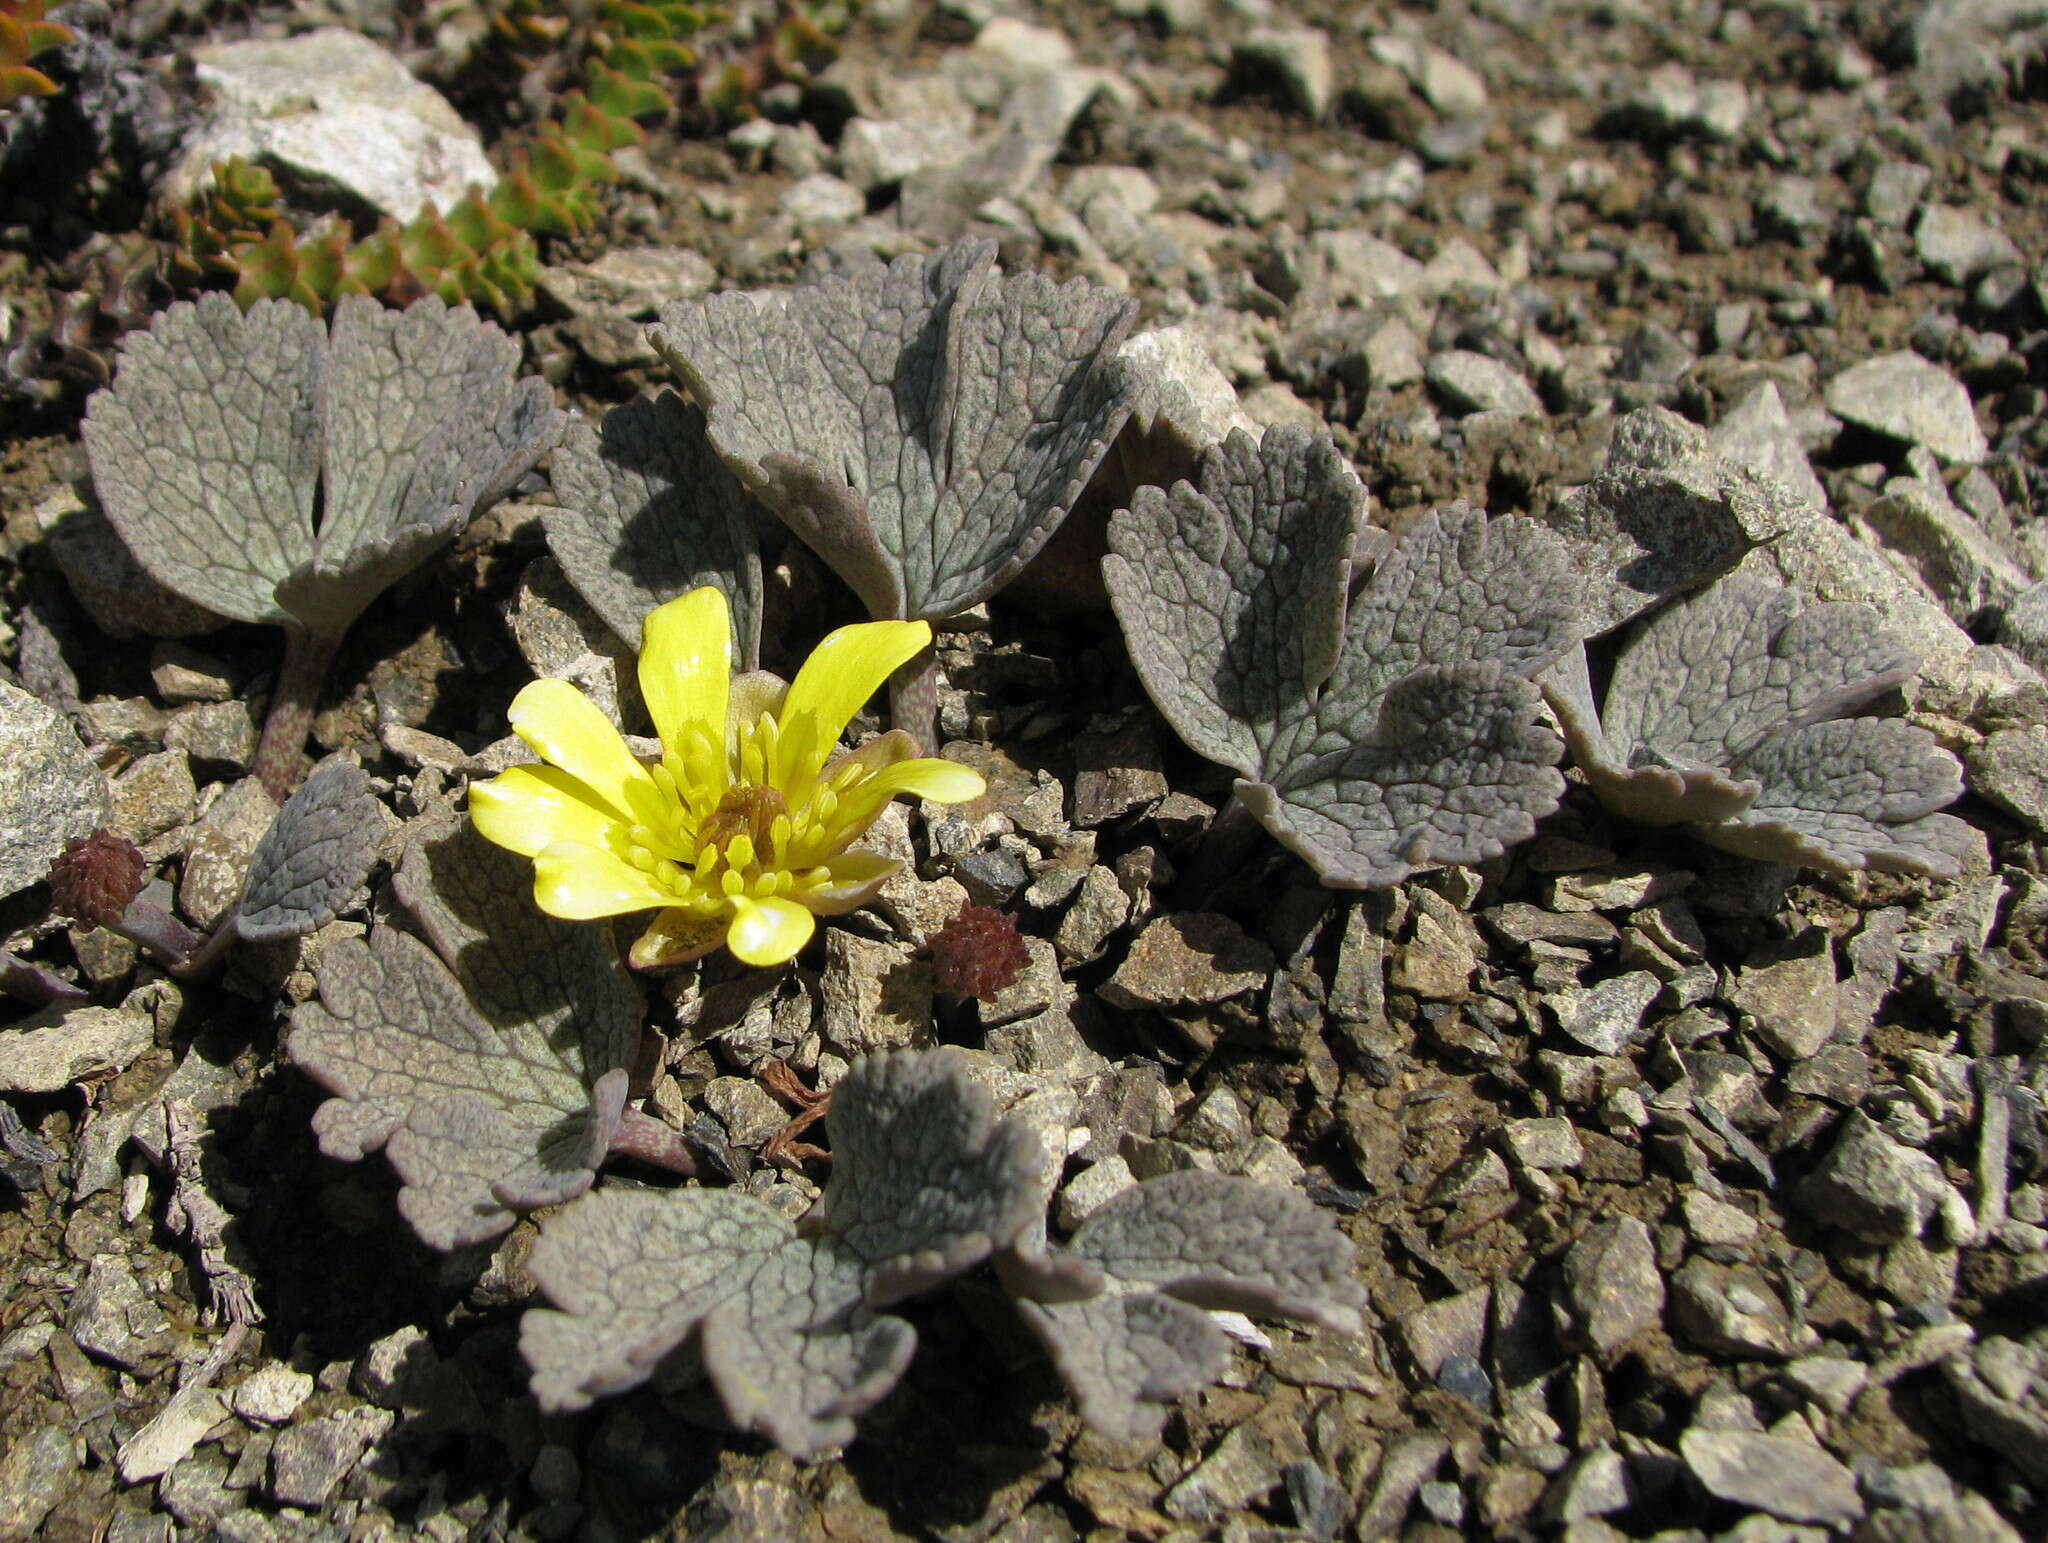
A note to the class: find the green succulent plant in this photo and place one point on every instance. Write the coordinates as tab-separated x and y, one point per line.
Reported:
24	35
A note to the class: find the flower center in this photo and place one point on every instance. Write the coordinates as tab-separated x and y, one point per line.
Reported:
751	810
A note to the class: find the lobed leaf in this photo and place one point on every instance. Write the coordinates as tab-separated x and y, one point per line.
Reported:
272	472
1125	1358
926	1181
923	426
1379	724
1723	712
1233	589
1853	793
648	511
316	851
490	1067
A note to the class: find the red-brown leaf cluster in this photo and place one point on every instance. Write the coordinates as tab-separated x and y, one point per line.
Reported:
977	953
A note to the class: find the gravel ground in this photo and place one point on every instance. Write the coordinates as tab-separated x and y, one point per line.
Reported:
1696	1197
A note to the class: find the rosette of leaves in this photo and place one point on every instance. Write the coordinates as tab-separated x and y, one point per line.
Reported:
238	236
273	472
789	1322
23	35
489	1062
1371	689
1725	713
646	511
923	426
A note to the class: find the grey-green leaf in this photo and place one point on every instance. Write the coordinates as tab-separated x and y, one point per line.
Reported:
394	1039
647	511
1218	1241
493	1074
225	437
631	1273
924	426
1125	1358
1231	594
206	450
317	850
1379	724
1853	793
926	1180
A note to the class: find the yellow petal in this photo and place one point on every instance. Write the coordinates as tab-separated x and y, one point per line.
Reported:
943	782
685	671
856	878
579	883
565	729
531	807
677	936
834	684
768	931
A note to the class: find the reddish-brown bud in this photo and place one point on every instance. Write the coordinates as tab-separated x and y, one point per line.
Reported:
977	953
96	878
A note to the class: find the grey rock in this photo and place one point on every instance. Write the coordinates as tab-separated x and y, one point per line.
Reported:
1613	1290
1299	59
1908	398
169	1437
750	1116
876	995
1959	246
309	1459
1100	906
1876	1187
1355	267
1443	80
2010	768
1788	1478
152	795
112	1317
1732	1310
822	199
1189	960
60	1045
1547	1145
1653	354
37	1472
629	283
50	790
181	673
1757	432
882	153
1894	191
271	1394
218	849
1450	1326
220	737
1672	102
1791	207
1788	992
340	114
1605	1017
1474	382
1595	1484
1117	771
2002	1386
1958	561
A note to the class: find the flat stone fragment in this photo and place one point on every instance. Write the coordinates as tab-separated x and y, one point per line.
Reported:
171	1436
1878	1188
1548	1144
1907	397
218	851
1613	1288
112	1317
1757	432
1479	383
271	1394
337	111
1791	1479
877	996
1189	960
1788	991
1605	1017
310	1458
2011	770
37	1471
50	790
1959	246
62	1045
1299	57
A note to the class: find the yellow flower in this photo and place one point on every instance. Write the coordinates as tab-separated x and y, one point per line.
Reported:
739	833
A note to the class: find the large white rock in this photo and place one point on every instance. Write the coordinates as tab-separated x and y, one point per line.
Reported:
332	108
50	788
